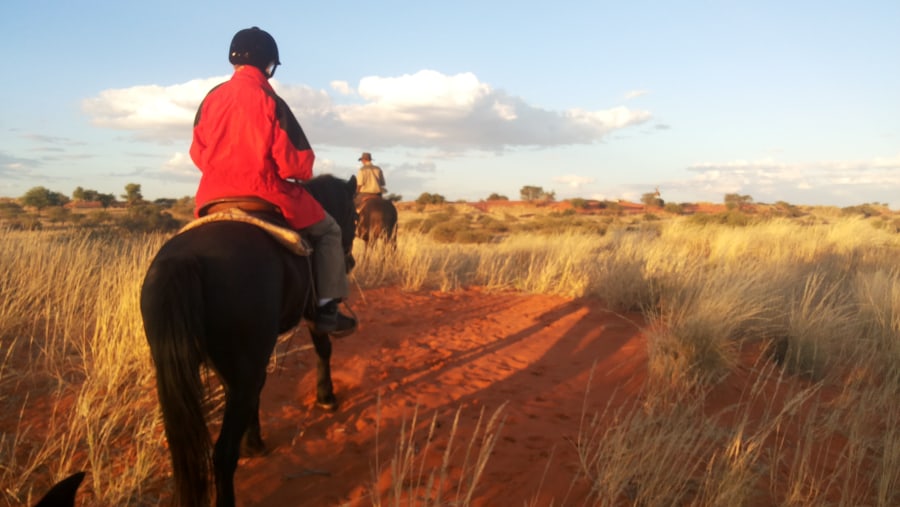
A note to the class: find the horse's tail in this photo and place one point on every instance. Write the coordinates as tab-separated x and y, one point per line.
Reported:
394	223
172	307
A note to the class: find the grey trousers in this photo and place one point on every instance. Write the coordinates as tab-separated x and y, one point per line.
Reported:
328	259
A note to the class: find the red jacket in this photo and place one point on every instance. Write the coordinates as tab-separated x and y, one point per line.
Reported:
248	143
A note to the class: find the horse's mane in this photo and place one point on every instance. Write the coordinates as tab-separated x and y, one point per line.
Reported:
320	180
326	188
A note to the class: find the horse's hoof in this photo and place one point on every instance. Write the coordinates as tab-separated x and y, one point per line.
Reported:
329	405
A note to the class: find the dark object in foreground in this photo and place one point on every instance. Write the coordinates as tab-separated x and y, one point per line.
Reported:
62	494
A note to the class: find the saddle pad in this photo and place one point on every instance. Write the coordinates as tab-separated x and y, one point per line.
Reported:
291	239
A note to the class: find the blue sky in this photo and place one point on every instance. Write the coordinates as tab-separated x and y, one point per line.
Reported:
781	100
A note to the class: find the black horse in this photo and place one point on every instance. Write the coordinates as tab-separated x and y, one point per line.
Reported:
220	294
377	221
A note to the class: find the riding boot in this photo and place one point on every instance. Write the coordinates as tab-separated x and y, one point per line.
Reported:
330	321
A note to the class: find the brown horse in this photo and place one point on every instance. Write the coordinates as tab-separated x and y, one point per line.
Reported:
377	221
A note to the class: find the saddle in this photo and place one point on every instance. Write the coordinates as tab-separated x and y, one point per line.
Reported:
255	211
362	199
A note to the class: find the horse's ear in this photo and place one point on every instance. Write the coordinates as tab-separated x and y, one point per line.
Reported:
63	493
351	184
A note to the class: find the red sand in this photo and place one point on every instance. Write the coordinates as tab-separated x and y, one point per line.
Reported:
548	359
442	352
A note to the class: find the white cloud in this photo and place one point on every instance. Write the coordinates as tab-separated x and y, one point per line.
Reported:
505	111
453	113
878	170
633	94
156	112
426	88
181	167
607	120
768	179
573	181
342	87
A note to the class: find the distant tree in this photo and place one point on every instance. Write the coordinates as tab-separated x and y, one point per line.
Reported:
532	193
652	199
132	194
106	199
427	198
497	197
394	197
737	201
41	197
89	195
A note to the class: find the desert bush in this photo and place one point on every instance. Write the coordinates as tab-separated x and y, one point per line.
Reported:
820	327
733	217
24	223
695	332
674	208
10	210
578	203
57	214
149	218
96	218
864	210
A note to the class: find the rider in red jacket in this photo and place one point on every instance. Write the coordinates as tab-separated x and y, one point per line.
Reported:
247	143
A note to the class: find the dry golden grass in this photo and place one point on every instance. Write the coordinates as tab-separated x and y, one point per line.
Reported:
823	298
411	477
75	357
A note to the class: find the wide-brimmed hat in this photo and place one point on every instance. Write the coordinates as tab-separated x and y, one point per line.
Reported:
365	156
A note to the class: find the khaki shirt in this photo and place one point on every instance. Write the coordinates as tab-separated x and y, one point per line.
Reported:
370	180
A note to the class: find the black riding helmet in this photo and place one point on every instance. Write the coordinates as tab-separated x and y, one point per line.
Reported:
252	46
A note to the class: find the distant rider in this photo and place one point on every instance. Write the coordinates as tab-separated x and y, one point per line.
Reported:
369	181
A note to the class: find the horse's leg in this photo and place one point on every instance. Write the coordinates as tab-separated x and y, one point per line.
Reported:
324	388
238	414
252	443
240	423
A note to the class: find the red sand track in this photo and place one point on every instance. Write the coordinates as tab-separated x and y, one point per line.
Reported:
442	352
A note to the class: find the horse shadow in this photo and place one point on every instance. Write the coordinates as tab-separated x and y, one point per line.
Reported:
582	337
